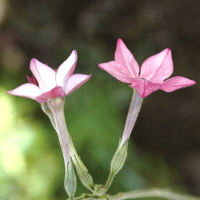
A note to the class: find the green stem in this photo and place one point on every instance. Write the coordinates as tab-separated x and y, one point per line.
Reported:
109	180
71	198
152	193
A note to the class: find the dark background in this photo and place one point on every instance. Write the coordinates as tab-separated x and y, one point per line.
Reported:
165	149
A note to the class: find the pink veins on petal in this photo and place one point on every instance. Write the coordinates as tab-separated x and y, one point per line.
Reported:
152	75
48	83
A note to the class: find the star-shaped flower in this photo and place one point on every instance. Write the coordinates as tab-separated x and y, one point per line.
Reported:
49	83
152	75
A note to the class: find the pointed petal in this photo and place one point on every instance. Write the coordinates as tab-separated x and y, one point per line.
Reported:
158	67
126	60
44	75
176	83
66	69
26	90
113	68
75	81
144	87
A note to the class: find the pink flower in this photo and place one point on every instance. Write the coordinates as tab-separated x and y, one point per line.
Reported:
48	83
150	77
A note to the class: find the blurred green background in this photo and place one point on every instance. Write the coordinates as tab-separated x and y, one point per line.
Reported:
164	150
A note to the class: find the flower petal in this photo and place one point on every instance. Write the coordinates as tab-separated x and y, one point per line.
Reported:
52	94
44	75
144	87
158	67
26	90
66	69
126	60
176	83
113	68
75	81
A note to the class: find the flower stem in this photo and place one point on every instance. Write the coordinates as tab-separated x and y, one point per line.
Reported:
109	180
133	112
152	193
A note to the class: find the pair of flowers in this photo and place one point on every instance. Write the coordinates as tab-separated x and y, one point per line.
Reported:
49	84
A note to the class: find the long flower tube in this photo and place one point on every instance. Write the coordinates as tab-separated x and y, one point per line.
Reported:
56	114
54	108
120	155
133	112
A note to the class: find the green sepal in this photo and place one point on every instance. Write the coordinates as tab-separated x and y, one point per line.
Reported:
82	171
119	158
70	181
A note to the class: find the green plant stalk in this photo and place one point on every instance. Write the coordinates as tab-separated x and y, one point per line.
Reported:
165	194
110	180
137	194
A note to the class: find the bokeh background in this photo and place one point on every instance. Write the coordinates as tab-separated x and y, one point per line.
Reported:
165	145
